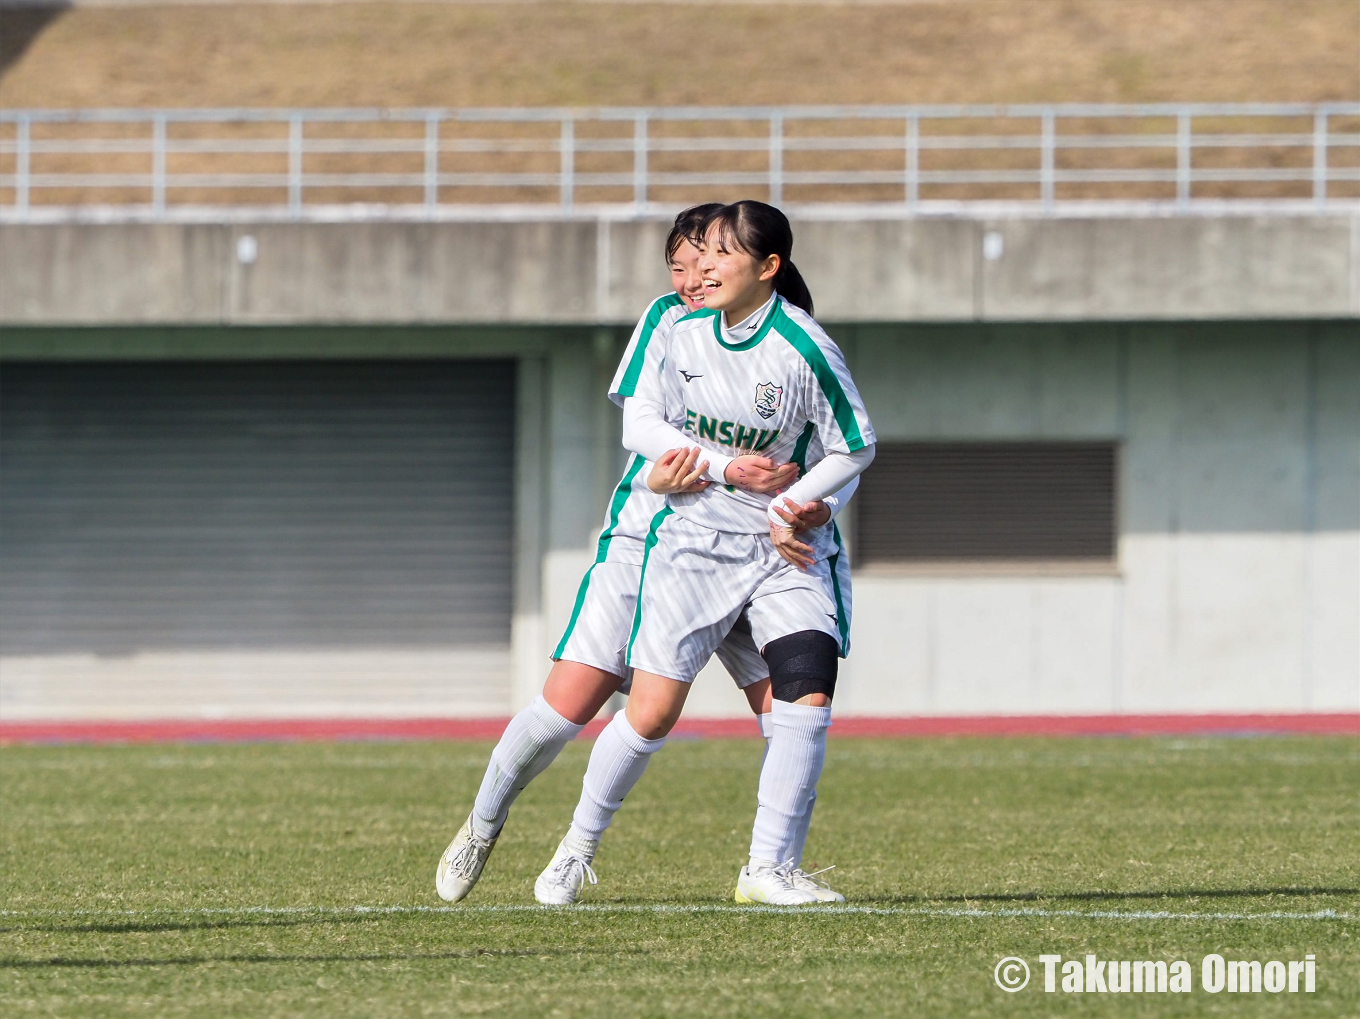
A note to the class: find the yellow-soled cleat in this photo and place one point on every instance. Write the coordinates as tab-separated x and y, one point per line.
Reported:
771	885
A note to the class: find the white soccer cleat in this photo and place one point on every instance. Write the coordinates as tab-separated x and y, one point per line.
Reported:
561	883
806	882
462	863
772	886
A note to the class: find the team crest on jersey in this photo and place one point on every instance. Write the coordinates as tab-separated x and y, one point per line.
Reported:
768	396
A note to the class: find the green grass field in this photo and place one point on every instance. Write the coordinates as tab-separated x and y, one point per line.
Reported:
251	880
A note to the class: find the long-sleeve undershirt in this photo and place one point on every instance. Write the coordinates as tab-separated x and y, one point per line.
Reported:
837	501
833	480
647	432
832	474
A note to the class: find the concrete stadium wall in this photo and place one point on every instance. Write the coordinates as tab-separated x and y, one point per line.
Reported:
588	271
1237	585
1238	578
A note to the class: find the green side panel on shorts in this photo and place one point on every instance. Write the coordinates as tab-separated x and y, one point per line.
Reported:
650	544
659	307
575	611
621	494
800	448
842	623
826	378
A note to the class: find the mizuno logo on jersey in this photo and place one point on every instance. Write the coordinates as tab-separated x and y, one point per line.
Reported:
729	433
768	396
687	375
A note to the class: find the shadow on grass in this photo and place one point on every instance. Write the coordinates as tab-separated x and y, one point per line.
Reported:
1184	893
61	962
190	924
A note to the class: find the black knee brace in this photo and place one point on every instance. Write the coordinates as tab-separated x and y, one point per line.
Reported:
802	663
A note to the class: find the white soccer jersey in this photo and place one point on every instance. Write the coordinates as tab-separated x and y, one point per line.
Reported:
640	359
604	613
775	385
633	504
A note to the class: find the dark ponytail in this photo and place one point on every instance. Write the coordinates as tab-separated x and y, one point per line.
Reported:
761	230
689	226
790	285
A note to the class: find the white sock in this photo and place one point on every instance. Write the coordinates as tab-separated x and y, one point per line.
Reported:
766	730
801	832
788	778
530	743
617	762
581	844
766	722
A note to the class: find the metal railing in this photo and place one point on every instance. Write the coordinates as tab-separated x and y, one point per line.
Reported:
917	159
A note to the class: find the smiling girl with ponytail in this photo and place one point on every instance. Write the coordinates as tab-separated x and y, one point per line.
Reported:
762	231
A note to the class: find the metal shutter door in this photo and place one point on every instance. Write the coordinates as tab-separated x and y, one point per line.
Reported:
255	538
988	502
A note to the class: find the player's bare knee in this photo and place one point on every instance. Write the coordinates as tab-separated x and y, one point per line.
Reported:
651	726
802	665
652	716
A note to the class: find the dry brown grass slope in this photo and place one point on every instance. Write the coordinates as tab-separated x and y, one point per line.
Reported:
493	54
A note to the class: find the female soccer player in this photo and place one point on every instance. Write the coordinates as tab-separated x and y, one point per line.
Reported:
751	373
588	663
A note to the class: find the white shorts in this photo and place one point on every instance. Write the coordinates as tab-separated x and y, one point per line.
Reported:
697	583
602	619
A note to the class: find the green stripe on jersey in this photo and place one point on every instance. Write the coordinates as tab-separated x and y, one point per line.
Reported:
701	313
650	544
628	387
621	494
831	386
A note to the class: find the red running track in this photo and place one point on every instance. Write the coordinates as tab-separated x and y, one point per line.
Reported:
320	729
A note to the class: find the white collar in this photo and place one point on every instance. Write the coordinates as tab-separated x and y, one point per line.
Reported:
746	328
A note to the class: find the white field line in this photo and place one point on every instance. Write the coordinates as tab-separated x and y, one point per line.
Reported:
665	909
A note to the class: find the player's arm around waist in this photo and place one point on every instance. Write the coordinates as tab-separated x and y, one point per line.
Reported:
647	431
831	474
